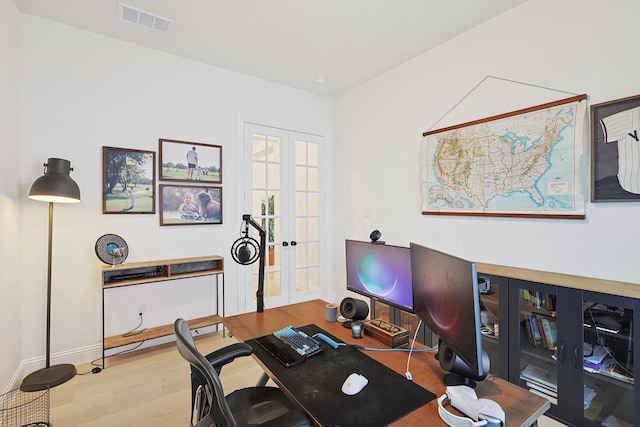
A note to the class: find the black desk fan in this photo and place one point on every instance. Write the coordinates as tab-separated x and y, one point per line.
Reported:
112	249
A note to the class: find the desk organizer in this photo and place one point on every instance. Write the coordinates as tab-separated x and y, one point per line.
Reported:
387	333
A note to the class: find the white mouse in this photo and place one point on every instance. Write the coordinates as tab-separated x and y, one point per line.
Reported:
354	383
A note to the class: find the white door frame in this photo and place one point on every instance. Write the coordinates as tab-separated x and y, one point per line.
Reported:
245	301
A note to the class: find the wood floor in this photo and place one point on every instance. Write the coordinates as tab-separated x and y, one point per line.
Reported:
148	388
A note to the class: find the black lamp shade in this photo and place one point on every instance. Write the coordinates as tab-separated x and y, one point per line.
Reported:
55	185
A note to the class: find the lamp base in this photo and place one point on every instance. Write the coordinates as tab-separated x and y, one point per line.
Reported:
48	377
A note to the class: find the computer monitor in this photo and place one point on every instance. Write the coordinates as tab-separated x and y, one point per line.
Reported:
381	272
446	298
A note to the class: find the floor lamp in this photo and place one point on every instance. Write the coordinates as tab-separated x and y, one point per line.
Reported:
55	186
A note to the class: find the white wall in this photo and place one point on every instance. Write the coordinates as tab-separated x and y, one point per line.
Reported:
10	242
79	92
580	47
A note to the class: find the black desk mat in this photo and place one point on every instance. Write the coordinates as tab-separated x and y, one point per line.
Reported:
317	384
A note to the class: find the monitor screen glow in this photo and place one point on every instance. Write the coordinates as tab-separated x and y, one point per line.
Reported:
446	298
381	272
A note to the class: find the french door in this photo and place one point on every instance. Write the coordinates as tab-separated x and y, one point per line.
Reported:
283	193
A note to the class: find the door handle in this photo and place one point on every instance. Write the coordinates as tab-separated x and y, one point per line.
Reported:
575	356
561	352
294	243
285	244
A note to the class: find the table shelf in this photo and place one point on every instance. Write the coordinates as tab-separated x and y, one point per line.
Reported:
150	272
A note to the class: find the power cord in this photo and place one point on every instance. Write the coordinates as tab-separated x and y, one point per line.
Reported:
408	373
135	330
98	368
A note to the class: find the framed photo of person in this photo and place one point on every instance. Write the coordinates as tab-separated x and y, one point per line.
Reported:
615	150
190	161
190	204
128	181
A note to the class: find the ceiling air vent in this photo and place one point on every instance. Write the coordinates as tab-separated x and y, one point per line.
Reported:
144	19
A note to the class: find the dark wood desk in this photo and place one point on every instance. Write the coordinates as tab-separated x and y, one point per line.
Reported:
522	408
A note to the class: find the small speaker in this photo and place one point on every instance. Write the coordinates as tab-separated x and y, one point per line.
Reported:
354	309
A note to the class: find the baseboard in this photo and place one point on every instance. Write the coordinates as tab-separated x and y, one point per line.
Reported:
74	357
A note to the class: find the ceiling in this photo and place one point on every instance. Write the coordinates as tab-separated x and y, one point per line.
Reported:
291	42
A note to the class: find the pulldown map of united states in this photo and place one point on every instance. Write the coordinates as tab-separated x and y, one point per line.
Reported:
522	163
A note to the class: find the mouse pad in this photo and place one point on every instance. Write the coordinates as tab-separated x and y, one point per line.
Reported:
317	384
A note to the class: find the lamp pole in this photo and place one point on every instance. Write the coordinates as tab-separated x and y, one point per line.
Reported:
54	186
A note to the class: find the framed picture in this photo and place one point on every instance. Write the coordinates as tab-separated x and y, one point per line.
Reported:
128	181
615	150
190	161
190	205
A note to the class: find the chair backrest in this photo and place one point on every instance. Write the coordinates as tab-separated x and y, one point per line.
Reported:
219	411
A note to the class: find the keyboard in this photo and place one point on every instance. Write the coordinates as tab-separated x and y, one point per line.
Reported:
289	345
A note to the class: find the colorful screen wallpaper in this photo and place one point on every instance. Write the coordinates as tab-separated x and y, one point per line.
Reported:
380	271
445	297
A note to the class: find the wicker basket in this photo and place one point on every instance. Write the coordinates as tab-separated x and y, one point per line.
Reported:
19	408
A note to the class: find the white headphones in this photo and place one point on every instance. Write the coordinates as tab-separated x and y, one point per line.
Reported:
482	412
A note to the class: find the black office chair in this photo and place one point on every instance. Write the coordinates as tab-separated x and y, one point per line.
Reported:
252	406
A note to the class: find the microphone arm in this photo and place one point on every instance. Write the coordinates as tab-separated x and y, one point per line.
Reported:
263	247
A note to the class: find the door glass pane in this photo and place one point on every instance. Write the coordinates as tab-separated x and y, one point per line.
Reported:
273	175
301	229
301	178
490	324
313	275
301	152
608	363
259	149
301	203
301	255
259	175
273	153
538	337
312	177
314	254
314	208
312	157
313	229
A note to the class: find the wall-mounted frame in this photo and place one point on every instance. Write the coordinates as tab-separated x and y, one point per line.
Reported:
128	181
190	205
523	163
190	161
615	150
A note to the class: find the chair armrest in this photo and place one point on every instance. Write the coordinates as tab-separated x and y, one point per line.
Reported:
221	357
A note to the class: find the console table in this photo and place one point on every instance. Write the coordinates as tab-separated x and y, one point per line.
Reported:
138	273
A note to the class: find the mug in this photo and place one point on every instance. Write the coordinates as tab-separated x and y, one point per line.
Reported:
331	312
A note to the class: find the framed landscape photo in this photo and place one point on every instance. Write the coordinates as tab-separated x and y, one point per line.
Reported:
128	181
615	150
190	161
190	205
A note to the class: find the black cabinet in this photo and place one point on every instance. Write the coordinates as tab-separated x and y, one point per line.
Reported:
573	340
577	348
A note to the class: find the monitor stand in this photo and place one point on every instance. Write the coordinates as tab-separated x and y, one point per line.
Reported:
451	379
347	323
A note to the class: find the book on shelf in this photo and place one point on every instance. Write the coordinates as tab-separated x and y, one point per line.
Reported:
618	372
543	335
597	359
551	399
535	332
550	331
541	376
594	409
541	388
